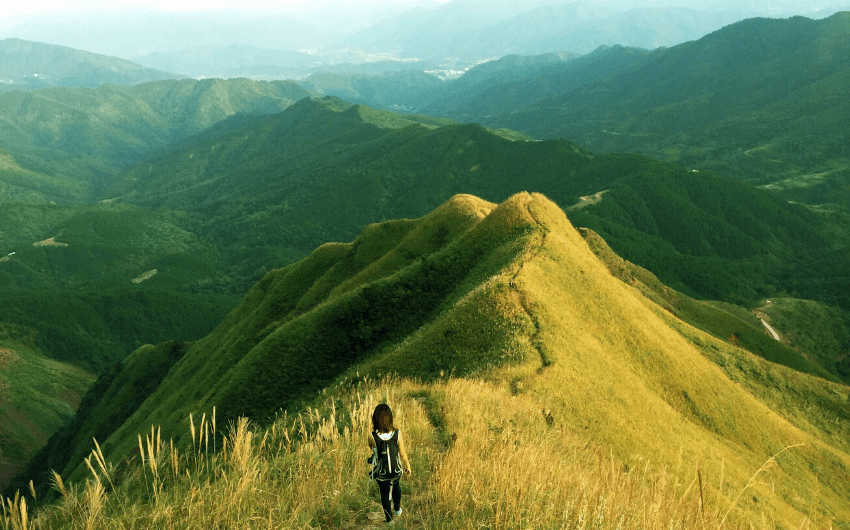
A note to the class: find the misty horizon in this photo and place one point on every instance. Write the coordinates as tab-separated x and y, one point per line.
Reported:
353	32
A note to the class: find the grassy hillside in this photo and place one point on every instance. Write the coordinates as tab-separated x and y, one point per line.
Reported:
80	136
511	343
38	395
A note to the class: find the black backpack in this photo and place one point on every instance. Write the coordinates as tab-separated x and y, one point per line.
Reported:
385	460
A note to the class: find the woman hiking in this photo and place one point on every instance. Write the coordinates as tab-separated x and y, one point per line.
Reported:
388	453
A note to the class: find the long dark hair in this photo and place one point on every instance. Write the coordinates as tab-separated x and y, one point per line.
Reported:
382	418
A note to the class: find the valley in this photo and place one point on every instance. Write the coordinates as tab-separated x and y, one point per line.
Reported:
629	264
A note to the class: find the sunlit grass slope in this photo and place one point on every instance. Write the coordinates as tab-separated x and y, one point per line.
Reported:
37	396
303	326
536	388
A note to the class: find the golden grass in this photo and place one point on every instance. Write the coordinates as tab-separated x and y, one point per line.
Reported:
505	465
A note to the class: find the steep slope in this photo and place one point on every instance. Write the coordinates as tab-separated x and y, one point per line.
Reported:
26	65
37	396
80	136
511	293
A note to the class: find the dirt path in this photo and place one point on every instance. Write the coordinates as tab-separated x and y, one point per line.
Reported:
765	320
414	491
770	330
521	299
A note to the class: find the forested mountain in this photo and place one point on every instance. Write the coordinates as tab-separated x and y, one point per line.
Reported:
323	169
26	65
510	300
73	139
761	99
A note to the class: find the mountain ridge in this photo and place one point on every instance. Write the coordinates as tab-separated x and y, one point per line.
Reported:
525	305
27	65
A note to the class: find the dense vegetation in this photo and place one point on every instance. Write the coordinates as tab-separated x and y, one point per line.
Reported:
767	115
79	137
323	169
26	65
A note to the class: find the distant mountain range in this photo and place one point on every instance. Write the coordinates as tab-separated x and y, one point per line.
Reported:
761	100
463	30
242	60
28	65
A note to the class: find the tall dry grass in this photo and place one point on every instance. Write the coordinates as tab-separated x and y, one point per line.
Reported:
482	458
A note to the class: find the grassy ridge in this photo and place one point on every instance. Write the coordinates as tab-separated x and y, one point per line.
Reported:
282	345
563	363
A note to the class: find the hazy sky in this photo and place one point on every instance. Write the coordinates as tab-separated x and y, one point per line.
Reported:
133	28
46	6
30	7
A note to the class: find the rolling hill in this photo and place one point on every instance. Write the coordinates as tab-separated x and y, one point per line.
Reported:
26	65
509	341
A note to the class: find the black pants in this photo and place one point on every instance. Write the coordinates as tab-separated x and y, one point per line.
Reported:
385	487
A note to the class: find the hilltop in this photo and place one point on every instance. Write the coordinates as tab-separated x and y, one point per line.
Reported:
552	358
26	65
